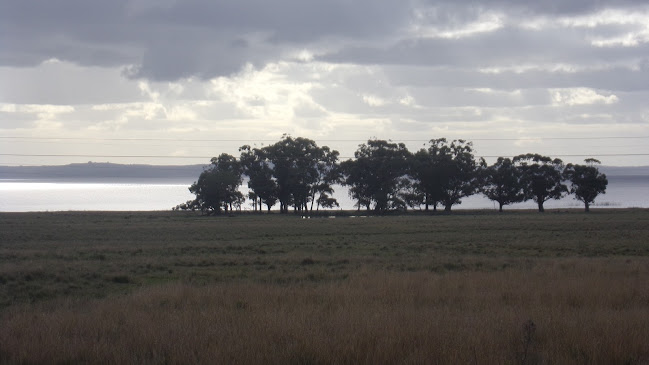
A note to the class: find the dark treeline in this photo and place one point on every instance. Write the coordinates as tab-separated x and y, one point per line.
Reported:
384	176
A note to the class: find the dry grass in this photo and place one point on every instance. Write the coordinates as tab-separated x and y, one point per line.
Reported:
161	288
590	311
45	256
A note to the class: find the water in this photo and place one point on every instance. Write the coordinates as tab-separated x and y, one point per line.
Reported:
28	196
145	195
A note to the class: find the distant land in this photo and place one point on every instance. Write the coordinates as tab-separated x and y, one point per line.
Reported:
103	171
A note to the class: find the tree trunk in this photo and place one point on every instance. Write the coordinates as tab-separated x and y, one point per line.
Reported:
587	207
501	207
540	204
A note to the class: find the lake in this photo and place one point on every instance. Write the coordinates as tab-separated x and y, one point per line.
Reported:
151	194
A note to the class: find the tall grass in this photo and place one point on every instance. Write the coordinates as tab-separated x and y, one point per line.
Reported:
584	310
476	288
45	256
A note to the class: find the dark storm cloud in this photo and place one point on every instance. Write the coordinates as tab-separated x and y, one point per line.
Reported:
614	78
168	39
532	7
507	46
563	7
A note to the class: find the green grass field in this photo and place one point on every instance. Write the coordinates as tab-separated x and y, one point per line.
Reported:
176	287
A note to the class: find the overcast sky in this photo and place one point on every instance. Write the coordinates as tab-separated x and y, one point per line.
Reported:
195	78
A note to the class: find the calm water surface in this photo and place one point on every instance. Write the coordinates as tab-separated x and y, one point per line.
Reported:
24	196
28	196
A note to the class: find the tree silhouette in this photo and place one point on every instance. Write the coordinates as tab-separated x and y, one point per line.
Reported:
541	177
217	187
260	177
501	182
385	176
301	169
354	176
447	172
428	180
586	181
410	193
328	173
375	173
326	201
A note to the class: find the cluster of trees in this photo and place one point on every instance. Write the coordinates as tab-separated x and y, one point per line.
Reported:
383	176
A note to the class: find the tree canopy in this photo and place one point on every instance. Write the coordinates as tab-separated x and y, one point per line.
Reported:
502	183
217	188
384	175
374	175
586	182
263	189
447	172
301	170
542	178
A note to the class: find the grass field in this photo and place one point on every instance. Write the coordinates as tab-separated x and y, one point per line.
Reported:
471	287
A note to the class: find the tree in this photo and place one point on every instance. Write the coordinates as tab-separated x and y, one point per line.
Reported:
300	170
428	181
410	193
217	187
542	178
328	173
447	172
188	205
501	182
375	173
355	176
260	177
586	181
327	202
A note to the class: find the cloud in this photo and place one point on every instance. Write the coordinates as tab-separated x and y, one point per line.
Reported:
257	69
58	82
42	111
581	96
170	40
611	77
548	7
267	93
177	39
373	100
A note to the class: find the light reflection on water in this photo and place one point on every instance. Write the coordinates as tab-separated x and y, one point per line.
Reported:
38	196
21	196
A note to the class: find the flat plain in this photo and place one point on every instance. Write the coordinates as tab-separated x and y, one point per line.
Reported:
469	287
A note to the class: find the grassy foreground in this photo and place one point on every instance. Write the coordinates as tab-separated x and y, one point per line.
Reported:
479	288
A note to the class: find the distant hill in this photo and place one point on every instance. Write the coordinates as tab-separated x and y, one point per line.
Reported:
625	170
94	171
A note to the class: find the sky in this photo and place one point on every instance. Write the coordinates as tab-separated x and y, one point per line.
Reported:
179	81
